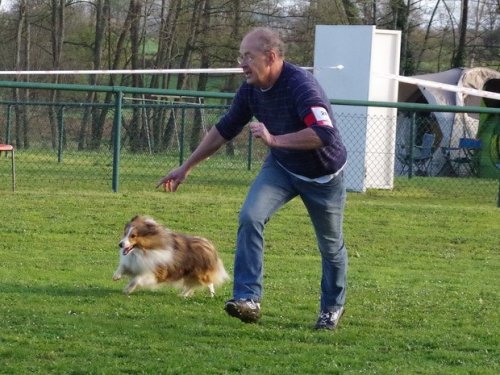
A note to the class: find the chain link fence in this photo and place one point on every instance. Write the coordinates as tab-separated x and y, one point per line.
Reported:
75	146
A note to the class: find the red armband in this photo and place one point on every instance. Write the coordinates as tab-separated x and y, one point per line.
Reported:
318	116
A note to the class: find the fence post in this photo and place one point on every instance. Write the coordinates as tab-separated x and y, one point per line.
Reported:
7	130
412	143
117	124
181	136
60	120
250	148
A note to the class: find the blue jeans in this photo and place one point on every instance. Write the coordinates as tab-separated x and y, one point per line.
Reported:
272	188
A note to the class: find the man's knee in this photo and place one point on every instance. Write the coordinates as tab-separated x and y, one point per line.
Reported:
334	251
249	217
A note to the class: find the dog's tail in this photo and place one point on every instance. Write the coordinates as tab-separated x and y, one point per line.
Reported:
220	275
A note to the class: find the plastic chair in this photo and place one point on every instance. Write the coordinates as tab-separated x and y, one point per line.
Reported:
10	148
463	155
420	157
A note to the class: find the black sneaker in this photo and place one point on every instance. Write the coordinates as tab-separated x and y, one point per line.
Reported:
328	319
246	310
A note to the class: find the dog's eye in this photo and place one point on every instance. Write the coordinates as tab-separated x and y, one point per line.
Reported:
133	235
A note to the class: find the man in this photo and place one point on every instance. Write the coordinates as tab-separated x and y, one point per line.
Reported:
306	159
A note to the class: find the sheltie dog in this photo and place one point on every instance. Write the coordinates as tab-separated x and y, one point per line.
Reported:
152	254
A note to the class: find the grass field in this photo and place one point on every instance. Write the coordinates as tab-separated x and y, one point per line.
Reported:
423	287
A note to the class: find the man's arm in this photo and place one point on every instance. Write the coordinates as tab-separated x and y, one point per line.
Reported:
305	139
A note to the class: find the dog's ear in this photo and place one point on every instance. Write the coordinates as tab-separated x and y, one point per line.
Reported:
127	225
150	220
150	227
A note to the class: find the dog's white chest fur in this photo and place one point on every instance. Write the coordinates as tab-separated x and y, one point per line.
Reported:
139	262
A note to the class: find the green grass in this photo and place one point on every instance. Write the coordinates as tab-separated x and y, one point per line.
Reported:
39	169
423	284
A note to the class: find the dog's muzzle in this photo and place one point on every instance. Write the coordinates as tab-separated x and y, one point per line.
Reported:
126	249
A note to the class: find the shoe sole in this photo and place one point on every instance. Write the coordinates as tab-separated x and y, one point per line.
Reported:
235	312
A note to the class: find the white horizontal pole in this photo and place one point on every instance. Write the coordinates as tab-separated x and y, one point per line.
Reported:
123	71
411	80
444	86
141	71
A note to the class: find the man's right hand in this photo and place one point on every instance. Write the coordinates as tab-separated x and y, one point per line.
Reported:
172	180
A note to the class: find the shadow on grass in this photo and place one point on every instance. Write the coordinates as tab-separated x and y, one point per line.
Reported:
58	290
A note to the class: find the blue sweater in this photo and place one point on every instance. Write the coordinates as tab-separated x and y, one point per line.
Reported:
286	108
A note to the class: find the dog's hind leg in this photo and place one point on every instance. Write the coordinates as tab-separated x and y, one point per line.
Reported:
212	289
187	292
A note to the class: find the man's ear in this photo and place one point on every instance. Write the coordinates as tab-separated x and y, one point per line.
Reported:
272	56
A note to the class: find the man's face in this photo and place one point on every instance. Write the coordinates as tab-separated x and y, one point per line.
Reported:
255	63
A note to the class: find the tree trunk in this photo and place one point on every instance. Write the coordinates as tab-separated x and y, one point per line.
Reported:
169	16
191	41
136	122
427	34
161	62
26	93
231	81
198	127
98	126
90	113
22	63
57	38
459	56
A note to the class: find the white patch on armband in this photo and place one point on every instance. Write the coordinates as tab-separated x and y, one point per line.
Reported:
321	116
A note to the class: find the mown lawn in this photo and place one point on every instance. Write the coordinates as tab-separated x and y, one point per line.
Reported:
423	286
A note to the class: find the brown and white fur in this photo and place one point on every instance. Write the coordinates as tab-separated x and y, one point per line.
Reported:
152	254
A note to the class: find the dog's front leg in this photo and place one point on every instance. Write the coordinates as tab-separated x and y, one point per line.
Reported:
118	273
132	285
144	280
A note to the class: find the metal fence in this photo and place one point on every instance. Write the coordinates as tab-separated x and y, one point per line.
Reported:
132	142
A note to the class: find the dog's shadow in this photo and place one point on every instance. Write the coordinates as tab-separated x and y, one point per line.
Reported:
58	290
26	290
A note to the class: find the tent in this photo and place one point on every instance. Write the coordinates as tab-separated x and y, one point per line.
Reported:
448	127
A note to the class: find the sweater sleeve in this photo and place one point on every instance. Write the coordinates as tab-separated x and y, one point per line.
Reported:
315	110
237	116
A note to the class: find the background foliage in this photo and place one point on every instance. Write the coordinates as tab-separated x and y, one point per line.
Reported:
94	34
136	34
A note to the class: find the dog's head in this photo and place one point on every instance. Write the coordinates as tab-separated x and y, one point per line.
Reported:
141	233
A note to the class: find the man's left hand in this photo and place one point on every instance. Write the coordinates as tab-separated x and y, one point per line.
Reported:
260	131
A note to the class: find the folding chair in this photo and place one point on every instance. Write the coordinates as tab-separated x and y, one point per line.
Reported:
463	155
421	157
10	148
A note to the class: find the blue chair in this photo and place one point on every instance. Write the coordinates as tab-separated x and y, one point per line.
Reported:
462	158
420	158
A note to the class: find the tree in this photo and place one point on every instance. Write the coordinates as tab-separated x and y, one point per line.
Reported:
169	14
102	9
427	36
98	126
484	34
46	34
57	38
459	55
22	60
197	128
136	124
